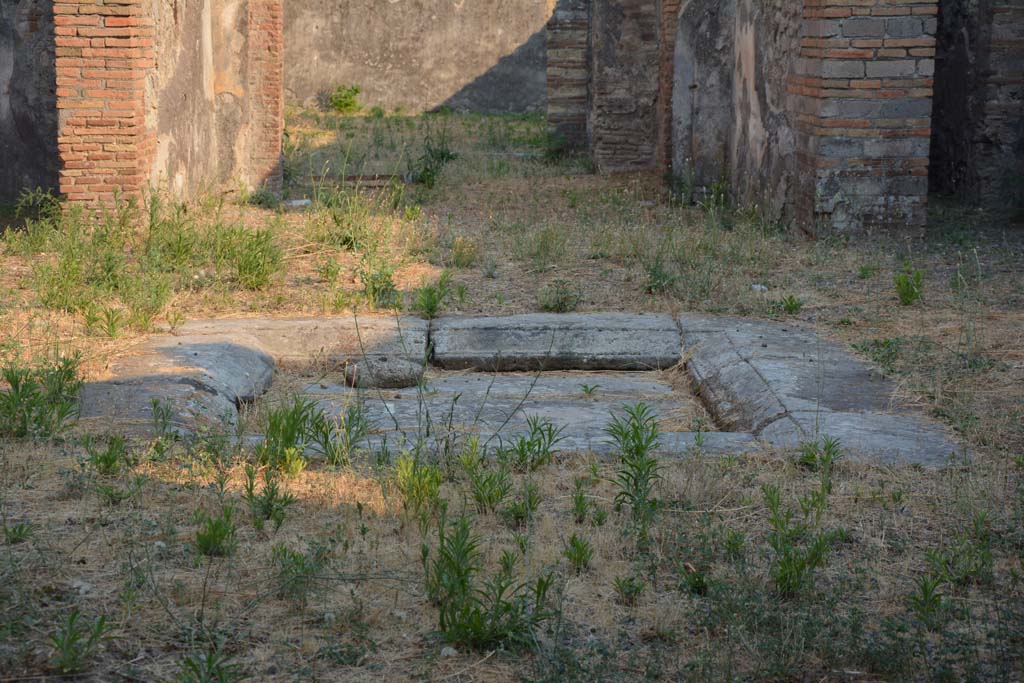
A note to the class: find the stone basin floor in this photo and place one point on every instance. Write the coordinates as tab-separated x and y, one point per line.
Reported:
726	385
497	407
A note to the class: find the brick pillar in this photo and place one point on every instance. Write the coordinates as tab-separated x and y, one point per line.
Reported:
568	71
666	78
103	51
862	91
266	90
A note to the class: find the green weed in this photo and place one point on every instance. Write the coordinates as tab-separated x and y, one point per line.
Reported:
378	281
345	99
531	451
522	509
489	488
209	666
337	439
579	552
297	573
286	436
559	297
481	613
428	299
635	438
39	402
112	459
271	503
419	483
257	259
628	589
75	642
217	536
17	533
909	286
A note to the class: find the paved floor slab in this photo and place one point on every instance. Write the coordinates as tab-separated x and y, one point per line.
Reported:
200	379
496	408
788	385
299	342
556	342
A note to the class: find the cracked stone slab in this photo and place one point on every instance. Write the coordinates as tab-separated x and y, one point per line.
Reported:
670	445
602	341
787	385
300	342
203	379
496	407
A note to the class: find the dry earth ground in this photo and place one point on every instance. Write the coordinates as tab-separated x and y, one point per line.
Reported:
917	575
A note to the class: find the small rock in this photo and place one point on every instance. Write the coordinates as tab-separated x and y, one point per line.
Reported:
297	204
383	373
449	651
760	289
83	588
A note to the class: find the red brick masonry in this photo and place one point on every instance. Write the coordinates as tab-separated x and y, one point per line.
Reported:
862	90
104	49
104	53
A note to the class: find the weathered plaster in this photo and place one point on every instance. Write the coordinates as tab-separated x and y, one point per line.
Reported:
28	114
482	55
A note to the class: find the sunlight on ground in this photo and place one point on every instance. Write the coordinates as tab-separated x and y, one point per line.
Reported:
768	567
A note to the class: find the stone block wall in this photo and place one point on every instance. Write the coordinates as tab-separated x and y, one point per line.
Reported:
863	89
977	147
28	113
668	29
183	96
762	147
624	84
568	72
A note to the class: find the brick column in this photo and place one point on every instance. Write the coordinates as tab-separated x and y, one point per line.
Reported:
568	71
266	90
666	78
103	51
862	91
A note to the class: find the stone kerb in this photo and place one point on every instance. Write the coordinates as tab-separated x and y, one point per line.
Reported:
768	385
788	386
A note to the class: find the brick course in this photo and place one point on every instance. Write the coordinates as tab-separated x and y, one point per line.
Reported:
104	54
568	72
862	92
266	90
103	49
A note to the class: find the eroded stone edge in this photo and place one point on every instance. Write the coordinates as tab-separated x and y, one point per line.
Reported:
904	437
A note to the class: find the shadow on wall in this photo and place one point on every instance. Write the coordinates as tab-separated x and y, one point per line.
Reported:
28	113
485	55
516	84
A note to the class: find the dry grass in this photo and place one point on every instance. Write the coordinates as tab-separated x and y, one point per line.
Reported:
509	224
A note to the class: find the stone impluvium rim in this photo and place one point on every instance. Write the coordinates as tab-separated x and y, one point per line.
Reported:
765	383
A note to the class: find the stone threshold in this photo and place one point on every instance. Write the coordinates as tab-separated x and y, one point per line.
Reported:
768	385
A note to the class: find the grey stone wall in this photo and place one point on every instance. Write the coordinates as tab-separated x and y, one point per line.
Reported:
568	72
977	147
731	111
624	87
762	157
480	55
180	96
702	92
28	113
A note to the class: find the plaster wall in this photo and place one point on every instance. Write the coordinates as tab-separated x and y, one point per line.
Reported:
28	102
197	94
480	55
